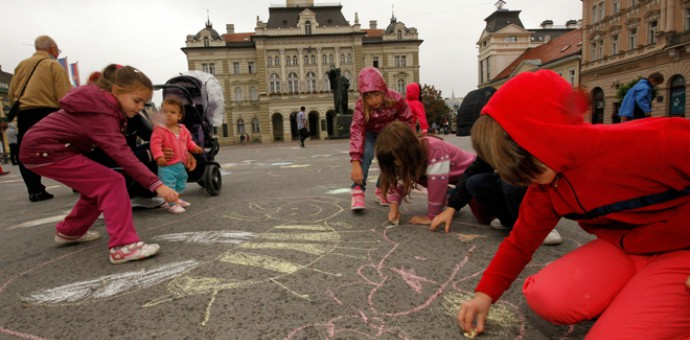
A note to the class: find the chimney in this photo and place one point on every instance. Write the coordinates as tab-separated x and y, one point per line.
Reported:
372	24
571	24
547	24
230	28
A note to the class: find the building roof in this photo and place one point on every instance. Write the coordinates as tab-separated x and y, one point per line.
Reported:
239	37
561	47
286	17
209	28
502	18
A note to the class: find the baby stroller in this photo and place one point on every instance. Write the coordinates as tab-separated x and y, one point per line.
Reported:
204	106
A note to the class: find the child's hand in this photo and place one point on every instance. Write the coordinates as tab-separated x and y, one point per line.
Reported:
357	175
168	153
420	220
169	195
197	149
161	161
190	163
445	217
394	214
477	308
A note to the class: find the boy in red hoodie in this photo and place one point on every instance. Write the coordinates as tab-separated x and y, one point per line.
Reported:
628	184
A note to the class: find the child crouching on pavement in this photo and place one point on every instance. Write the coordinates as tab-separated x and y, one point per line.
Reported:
96	115
173	135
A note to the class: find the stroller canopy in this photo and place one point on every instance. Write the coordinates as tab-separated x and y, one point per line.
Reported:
205	90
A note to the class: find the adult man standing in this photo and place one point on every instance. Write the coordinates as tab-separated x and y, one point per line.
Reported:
637	102
46	83
302	126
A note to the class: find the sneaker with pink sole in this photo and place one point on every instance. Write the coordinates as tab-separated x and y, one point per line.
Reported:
379	198
176	209
183	203
357	198
133	251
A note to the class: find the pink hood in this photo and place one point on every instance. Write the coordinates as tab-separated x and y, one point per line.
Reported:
371	80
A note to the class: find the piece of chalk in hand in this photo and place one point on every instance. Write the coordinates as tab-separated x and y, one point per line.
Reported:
471	334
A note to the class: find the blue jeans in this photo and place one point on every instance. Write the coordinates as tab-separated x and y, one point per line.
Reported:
367	157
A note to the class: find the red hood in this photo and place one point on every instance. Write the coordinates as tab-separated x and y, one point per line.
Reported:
370	80
544	115
412	92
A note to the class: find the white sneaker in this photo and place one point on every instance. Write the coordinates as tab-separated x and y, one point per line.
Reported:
133	252
176	209
553	238
62	239
183	203
146	203
496	224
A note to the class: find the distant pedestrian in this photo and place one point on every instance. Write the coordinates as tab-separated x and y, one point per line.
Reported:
96	115
302	126
39	82
173	135
637	102
413	96
376	107
12	142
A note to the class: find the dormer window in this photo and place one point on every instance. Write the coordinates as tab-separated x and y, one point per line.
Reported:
206	43
400	35
307	28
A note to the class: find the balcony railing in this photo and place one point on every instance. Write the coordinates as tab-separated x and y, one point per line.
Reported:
678	38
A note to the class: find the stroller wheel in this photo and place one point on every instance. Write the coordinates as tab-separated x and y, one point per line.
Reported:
212	179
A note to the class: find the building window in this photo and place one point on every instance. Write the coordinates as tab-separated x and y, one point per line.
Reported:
238	94
687	19
307	28
595	14
313	59
614	45
240	126
251	67
206	42
325	59
571	76
288	61
400	61
616	6
652	32
510	39
270	61
292	83
311	82
236	68
342	59
401	86
601	10
375	62
400	35
209	68
274	83
294	60
306	60
277	61
348	76
256	128
488	68
349	58
632	38
253	94
330	59
326	83
633	3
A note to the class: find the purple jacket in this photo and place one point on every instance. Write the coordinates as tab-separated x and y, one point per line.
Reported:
370	80
89	118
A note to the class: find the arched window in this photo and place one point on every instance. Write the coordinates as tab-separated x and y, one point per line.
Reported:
274	83
311	82
307	28
255	125
238	94
292	83
401	86
253	94
240	126
206	42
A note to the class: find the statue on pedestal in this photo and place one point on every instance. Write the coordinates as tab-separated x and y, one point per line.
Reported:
339	86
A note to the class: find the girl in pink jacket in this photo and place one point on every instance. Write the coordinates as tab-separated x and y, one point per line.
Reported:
173	135
376	107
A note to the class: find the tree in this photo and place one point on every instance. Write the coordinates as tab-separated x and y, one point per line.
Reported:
434	105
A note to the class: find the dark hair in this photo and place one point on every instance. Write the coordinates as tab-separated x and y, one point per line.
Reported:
656	77
493	144
174	100
302	108
127	78
398	142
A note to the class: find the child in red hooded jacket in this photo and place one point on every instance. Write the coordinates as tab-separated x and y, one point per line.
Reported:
414	101
628	184
376	107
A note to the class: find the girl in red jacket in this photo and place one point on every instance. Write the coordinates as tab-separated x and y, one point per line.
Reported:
376	107
628	184
414	101
173	135
96	115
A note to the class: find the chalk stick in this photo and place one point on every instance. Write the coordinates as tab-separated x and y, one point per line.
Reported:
471	334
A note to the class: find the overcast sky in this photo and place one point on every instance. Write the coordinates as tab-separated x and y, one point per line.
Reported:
148	34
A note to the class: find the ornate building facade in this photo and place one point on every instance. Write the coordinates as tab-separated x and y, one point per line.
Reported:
284	64
627	39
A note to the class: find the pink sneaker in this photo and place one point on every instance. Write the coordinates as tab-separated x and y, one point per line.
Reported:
357	198
176	209
133	252
379	198
184	204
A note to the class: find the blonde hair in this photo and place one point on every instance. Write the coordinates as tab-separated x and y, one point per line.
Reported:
397	142
127	78
388	102
493	144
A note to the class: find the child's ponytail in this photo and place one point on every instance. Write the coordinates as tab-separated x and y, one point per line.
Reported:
127	78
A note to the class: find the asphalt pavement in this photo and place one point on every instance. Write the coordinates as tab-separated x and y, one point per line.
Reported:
277	255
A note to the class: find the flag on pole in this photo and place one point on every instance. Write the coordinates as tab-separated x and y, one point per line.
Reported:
63	62
74	68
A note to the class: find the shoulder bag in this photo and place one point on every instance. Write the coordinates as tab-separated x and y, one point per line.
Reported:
15	107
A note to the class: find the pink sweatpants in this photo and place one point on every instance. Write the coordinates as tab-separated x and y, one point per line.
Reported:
634	297
102	190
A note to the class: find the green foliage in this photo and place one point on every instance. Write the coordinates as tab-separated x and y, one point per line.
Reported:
433	102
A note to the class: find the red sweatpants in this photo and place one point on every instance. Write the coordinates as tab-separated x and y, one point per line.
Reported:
634	297
102	190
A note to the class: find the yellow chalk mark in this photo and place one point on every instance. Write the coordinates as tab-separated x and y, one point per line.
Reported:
314	249
303	296
468	237
190	285
303	227
261	261
308	237
351	256
207	314
499	313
